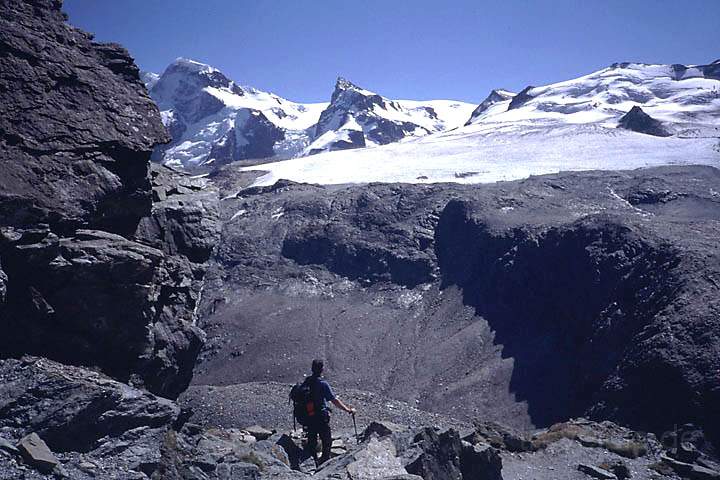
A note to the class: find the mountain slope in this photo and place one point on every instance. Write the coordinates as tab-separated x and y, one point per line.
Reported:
687	98
572	125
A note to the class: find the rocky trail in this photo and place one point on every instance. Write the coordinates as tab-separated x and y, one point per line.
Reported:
560	327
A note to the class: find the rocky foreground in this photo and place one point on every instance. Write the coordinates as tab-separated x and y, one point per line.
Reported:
440	309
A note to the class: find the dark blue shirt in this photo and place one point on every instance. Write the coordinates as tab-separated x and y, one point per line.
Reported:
322	392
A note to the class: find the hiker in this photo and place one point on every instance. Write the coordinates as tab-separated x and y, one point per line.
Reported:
313	412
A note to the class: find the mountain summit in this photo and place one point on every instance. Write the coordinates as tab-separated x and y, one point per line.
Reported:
213	120
357	118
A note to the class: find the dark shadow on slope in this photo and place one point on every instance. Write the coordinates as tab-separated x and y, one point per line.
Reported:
564	304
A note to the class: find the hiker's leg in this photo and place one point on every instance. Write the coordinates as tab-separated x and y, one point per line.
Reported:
326	439
312	445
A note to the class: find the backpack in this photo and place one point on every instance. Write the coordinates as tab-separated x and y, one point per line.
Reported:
304	408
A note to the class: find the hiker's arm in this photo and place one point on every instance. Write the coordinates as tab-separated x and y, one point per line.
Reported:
339	403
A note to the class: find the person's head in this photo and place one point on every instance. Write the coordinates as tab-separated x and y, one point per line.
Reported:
317	367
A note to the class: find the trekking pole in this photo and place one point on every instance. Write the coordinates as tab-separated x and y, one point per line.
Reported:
357	439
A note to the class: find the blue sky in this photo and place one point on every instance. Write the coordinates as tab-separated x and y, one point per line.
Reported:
423	49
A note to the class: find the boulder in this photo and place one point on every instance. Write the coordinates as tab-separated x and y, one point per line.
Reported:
220	454
259	432
480	462
381	429
373	460
73	408
435	455
293	452
619	468
377	460
8	447
36	453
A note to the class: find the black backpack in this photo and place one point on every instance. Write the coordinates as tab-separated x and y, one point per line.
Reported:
303	400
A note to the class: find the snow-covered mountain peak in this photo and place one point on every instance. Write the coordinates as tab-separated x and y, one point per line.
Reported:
357	118
185	79
342	84
214	120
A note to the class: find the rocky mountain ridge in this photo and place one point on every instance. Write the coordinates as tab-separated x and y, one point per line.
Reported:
213	120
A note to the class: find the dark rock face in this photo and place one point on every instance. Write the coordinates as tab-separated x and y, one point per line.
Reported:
496	96
639	121
72	408
97	298
500	284
436	456
252	137
521	98
258	135
92	272
75	114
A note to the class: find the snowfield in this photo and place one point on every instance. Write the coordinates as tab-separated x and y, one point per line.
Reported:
472	155
570	125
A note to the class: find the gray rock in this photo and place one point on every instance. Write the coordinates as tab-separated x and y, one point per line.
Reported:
293	452
8	446
36	453
375	459
381	429
480	462
259	432
99	299
237	471
619	468
435	455
3	286
596	472
72	408
587	441
75	114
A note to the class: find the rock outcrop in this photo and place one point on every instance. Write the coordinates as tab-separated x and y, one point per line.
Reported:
72	408
91	271
639	121
74	114
495	97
